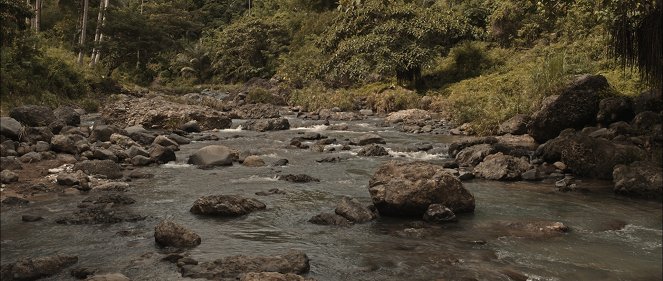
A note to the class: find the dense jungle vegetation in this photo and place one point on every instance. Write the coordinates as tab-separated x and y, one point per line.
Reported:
480	61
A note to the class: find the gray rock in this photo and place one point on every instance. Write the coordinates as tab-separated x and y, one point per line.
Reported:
168	233
64	143
263	125
212	155
31	157
253	161
351	209
104	154
179	139
233	266
532	175
613	109
370	139
576	107
104	132
280	162
329	219
438	213
456	147
135	150
161	154
372	150
473	155
501	167
33	115
516	125
10	128
165	141
42	146
68	179
35	134
641	179
10	163
68	115
104	209
226	205
407	189
105	168
191	127
298	178
587	156
7	176
140	160
36	268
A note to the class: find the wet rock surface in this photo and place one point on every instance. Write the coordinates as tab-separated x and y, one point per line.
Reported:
407	189
292	261
169	233
36	268
225	205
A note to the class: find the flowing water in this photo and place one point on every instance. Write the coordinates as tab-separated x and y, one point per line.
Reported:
385	249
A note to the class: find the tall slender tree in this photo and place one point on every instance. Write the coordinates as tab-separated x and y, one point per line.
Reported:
98	34
83	31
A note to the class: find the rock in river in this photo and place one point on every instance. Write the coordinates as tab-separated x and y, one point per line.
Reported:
168	233
407	189
226	205
232	267
212	155
354	211
36	268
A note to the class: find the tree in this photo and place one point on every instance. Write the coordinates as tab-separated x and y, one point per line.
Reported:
387	39
637	38
13	15
83	31
98	35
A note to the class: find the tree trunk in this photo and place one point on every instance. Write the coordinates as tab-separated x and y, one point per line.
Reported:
101	34
83	31
97	32
37	15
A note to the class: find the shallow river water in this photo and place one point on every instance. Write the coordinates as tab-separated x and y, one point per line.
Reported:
385	249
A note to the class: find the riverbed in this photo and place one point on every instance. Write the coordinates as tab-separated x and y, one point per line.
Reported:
611	238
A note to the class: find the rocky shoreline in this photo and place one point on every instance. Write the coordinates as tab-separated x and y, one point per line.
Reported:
574	136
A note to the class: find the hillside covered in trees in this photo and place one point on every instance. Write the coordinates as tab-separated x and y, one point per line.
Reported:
481	61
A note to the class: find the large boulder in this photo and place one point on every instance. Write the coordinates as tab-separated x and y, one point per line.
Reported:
104	132
212	155
34	134
501	167
575	107
68	115
162	154
105	168
651	100
158	112
458	146
253	161
168	233
230	268
587	156
10	128
33	115
614	109
64	143
351	209
226	205
473	155
263	125
36	268
407	189
516	125
641	179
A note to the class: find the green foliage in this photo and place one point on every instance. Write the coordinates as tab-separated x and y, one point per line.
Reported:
12	17
466	60
381	97
386	39
248	48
